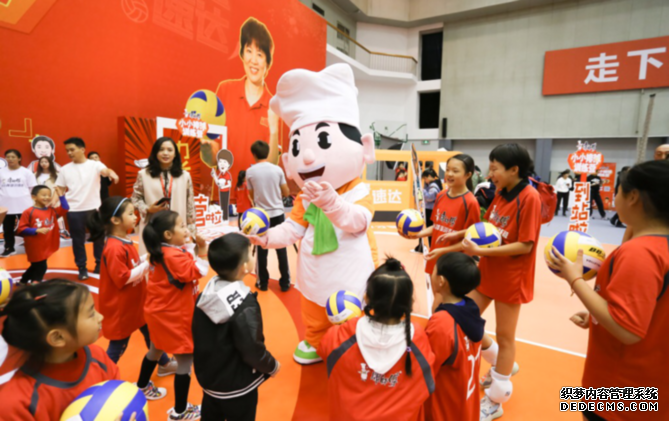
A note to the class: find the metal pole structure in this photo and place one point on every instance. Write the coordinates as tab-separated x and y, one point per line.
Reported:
642	142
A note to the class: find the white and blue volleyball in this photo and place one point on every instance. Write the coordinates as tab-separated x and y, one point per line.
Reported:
255	221
409	221
484	235
105	401
6	286
342	306
568	243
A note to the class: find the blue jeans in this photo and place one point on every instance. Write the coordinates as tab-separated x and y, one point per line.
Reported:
117	347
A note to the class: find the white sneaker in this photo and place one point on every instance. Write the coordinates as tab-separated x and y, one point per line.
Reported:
168	369
487	379
490	410
191	413
305	354
152	392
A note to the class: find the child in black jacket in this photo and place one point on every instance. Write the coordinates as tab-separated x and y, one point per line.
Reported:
230	356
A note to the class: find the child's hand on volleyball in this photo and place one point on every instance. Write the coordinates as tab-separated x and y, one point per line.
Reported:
581	319
257	241
565	268
469	248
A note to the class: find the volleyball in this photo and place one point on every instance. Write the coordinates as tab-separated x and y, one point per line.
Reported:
409	220
105	401
6	286
255	221
568	243
209	108
484	235
342	306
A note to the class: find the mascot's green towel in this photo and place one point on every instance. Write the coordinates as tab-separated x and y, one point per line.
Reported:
325	238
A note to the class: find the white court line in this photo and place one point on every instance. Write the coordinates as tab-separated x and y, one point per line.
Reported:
94	290
552	348
385	233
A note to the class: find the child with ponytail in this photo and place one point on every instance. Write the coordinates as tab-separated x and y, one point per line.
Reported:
170	302
122	286
56	324
380	365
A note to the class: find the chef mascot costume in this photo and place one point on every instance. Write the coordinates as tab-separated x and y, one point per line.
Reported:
332	215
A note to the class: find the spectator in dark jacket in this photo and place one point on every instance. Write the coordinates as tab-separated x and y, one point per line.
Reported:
230	356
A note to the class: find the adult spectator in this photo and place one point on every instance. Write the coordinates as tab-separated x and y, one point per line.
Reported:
164	184
563	187
615	219
15	185
105	182
267	186
595	183
42	146
46	173
79	181
662	152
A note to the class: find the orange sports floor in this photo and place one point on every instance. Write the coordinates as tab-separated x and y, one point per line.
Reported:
550	348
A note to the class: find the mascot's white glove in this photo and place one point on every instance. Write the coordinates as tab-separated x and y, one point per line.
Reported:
346	216
322	195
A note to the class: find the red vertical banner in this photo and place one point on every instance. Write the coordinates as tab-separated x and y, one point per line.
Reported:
607	172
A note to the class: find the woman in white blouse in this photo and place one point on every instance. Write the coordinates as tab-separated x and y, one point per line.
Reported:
16	182
163	184
563	187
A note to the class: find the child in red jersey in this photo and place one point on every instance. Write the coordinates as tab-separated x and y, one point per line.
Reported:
507	271
37	227
455	331
242	196
380	364
55	322
170	303
628	309
122	286
455	210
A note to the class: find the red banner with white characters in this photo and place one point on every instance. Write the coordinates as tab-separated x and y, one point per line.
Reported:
580	210
607	172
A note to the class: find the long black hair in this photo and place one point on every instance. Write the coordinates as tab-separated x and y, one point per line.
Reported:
154	164
241	177
431	173
99	222
470	168
53	174
390	296
154	233
651	180
511	155
33	310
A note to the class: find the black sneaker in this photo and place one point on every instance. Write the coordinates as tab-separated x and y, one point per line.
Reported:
285	288
8	252
261	287
97	269
83	274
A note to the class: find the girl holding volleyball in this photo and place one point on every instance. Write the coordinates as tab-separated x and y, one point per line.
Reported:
455	210
380	363
627	312
56	324
170	303
122	286
507	271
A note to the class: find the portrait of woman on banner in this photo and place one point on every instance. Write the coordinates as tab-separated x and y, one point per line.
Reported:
246	100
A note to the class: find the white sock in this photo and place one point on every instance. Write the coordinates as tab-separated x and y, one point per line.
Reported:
500	389
490	354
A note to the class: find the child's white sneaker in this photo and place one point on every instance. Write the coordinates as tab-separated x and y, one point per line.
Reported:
487	379
152	392
191	413
490	410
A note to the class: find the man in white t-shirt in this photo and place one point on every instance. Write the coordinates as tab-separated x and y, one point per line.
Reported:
80	182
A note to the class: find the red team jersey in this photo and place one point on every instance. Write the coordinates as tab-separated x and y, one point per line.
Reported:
456	364
633	280
358	393
225	176
451	214
121	304
170	301
44	395
41	246
242	197
517	216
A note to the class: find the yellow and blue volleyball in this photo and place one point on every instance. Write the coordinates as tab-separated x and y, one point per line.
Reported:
484	235
209	108
409	221
105	401
6	286
255	221
568	243
342	306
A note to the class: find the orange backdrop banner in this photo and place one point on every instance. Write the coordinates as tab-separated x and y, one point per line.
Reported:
607	172
77	68
639	64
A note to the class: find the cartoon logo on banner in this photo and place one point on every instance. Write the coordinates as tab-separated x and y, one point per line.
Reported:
206	215
191	125
223	180
586	159
42	146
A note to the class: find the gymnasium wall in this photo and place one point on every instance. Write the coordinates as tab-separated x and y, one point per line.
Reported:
493	70
71	68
